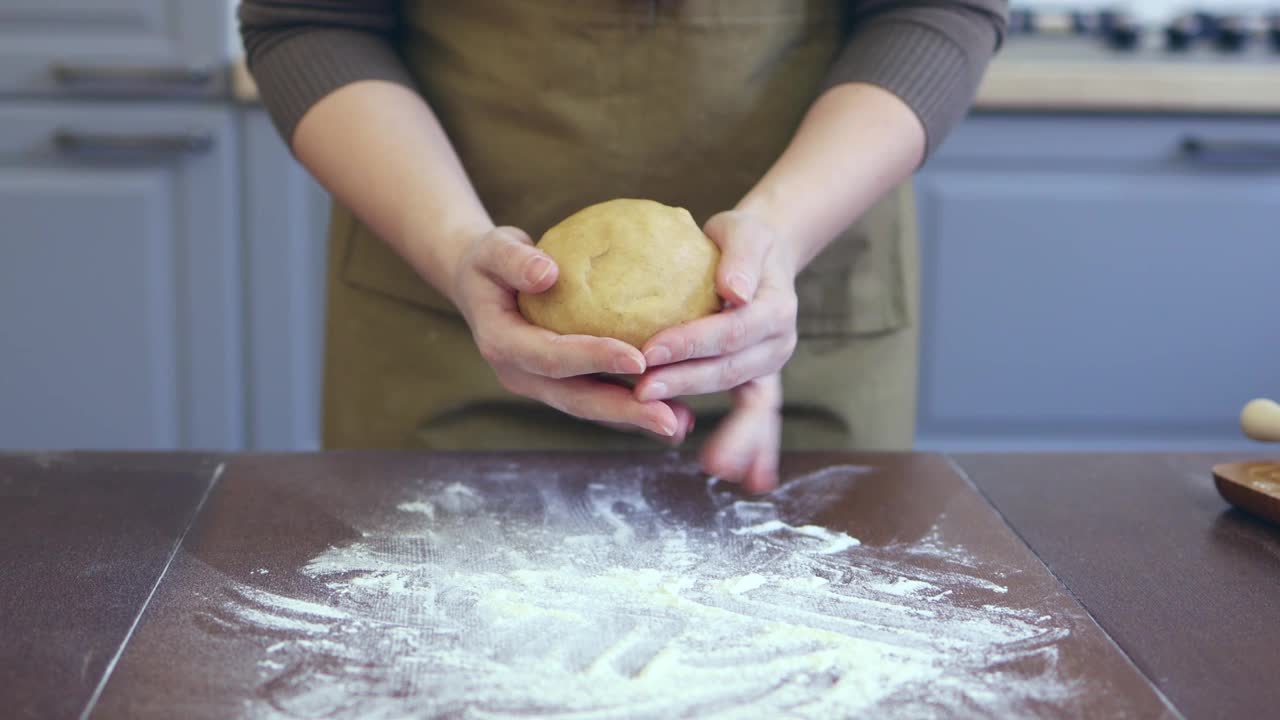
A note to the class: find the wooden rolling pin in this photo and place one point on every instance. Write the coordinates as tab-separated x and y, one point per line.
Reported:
1260	420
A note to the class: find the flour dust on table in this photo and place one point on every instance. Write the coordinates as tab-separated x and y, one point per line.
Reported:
512	595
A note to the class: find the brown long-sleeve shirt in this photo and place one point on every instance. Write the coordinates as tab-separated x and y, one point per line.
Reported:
930	53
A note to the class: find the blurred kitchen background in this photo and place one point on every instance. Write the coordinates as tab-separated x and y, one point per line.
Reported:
1101	237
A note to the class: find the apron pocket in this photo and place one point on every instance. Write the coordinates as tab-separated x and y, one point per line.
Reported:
370	264
857	284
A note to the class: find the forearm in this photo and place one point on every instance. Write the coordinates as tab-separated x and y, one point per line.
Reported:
855	144
906	77
378	148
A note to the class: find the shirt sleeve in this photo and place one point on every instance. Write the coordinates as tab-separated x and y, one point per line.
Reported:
299	51
932	54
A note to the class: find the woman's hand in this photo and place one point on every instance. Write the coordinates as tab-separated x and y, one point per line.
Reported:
745	446
536	363
741	349
752	338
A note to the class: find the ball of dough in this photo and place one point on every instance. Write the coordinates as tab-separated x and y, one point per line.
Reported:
628	269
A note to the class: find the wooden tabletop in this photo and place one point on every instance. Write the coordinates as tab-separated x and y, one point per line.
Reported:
1188	586
107	558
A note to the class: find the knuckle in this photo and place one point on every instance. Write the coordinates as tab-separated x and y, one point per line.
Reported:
568	404
783	322
499	254
491	351
511	255
512	383
555	362
735	333
761	397
789	342
730	374
513	234
790	306
731	224
692	348
546	362
717	226
555	370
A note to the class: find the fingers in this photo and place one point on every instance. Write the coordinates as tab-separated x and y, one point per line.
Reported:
508	255
772	314
712	375
685	420
598	402
745	447
744	243
506	339
763	475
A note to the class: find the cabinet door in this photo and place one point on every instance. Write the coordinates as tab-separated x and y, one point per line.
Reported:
119	308
286	220
110	47
1098	302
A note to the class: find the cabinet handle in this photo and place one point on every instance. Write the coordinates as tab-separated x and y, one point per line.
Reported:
133	145
105	77
1232	153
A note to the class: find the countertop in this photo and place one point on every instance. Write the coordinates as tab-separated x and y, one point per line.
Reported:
1067	75
162	585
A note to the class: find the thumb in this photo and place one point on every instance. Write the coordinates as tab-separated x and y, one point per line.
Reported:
744	244
509	255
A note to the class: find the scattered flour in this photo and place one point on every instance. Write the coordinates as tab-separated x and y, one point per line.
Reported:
458	499
744	583
836	541
590	602
418	506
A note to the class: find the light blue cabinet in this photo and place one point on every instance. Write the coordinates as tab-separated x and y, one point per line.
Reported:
1099	283
76	48
285	216
120	306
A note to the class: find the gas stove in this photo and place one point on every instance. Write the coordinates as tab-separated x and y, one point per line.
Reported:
1069	33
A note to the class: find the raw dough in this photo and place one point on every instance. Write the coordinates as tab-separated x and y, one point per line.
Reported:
628	269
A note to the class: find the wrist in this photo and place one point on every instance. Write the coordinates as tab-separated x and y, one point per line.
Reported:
763	208
436	250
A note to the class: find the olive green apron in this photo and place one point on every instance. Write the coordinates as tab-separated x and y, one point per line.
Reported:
556	105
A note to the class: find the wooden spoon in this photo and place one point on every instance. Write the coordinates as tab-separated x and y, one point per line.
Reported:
1254	486
1251	486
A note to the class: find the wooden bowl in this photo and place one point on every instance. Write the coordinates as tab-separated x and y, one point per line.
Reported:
1251	486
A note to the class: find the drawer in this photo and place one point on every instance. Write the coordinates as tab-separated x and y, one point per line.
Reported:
150	48
1099	300
1105	142
120	313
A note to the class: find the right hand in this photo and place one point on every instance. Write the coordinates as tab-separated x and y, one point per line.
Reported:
542	365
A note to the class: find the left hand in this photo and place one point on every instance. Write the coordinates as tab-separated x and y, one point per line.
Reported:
741	349
751	339
744	447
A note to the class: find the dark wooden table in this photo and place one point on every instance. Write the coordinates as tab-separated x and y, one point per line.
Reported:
100	551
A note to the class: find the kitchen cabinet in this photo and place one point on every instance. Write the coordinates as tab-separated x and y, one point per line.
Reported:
1098	282
120	306
286	216
1089	282
61	48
